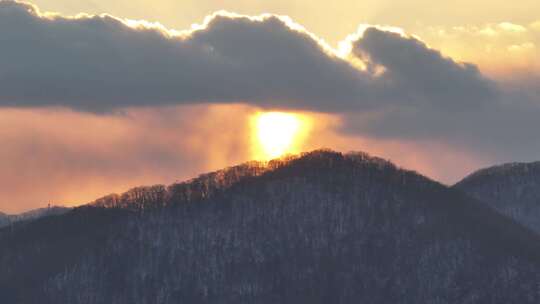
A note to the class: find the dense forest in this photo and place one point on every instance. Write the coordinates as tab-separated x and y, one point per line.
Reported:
321	227
9	219
513	189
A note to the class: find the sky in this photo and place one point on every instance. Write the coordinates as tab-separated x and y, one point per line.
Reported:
100	96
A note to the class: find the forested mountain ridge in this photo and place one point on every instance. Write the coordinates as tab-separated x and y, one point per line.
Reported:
321	227
205	185
4	219
7	219
158	196
513	189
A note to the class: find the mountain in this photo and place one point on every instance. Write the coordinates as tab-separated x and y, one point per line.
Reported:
7	219
512	189
321	227
4	219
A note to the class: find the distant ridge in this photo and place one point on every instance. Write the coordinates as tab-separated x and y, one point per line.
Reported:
7	219
513	189
513	168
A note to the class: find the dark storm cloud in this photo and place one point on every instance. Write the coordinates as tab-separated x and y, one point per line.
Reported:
445	101
407	91
99	63
420	75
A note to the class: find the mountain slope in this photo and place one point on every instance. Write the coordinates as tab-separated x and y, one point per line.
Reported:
513	189
319	228
7	219
4	219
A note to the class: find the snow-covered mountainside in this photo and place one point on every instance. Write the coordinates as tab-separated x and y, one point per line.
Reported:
4	219
7	219
322	227
513	189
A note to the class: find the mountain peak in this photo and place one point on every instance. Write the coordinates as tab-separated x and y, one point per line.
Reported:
203	186
267	232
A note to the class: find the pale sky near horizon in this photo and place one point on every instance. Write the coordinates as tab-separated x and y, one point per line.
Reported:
446	25
331	20
65	155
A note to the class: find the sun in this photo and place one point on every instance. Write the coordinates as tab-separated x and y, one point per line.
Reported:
278	133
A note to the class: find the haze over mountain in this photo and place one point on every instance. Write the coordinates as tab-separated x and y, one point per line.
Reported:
7	219
322	227
513	189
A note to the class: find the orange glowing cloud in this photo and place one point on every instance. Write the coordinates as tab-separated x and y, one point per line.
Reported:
64	157
44	161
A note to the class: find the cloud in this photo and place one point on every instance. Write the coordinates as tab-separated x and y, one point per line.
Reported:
512	27
448	102
522	47
99	63
492	46
497	119
421	76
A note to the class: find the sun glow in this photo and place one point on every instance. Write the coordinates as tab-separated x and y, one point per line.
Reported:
279	133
